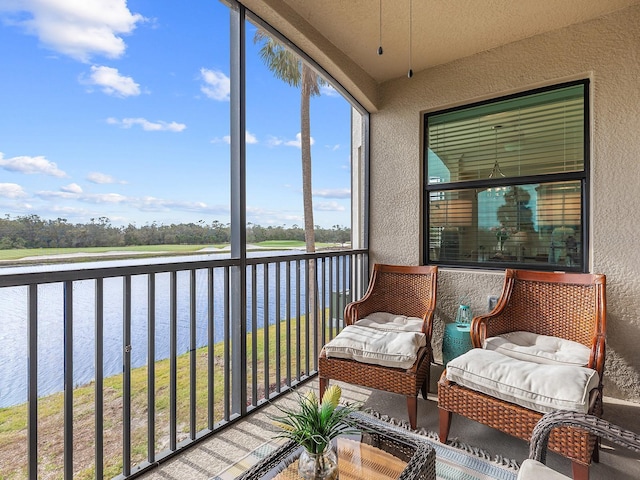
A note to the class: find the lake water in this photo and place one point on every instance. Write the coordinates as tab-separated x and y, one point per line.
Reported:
14	326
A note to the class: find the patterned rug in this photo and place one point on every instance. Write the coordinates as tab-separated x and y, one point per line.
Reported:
455	461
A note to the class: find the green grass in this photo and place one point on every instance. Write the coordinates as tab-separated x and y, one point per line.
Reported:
281	243
17	254
136	250
13	420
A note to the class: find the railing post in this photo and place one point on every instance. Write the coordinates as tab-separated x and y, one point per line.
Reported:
68	380
238	211
33	380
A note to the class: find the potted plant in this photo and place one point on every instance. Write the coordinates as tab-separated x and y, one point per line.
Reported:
313	425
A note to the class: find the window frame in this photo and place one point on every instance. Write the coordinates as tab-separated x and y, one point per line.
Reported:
583	176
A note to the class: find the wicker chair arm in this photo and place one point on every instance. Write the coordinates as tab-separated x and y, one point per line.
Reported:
598	348
490	325
351	312
591	423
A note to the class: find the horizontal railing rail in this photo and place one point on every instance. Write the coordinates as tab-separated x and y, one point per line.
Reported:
111	369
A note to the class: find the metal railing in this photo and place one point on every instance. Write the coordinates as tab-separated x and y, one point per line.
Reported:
128	365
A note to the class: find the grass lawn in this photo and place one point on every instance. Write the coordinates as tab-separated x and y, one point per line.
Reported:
49	254
13	420
17	254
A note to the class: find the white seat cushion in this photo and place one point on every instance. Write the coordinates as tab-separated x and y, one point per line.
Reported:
540	387
391	322
378	347
540	348
534	470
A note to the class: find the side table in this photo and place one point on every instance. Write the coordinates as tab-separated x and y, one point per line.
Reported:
456	341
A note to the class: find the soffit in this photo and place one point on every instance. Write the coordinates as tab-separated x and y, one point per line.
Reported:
443	30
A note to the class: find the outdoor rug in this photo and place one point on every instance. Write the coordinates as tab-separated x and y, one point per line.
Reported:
455	461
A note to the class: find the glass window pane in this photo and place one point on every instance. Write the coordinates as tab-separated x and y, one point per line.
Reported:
529	225
536	134
295	118
123	144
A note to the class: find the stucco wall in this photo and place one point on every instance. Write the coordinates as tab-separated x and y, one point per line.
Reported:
607	51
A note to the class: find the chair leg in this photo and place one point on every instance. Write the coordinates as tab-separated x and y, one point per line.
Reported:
412	409
425	386
595	456
445	423
580	471
323	385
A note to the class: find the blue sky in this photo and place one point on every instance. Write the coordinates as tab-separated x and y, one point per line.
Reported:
121	110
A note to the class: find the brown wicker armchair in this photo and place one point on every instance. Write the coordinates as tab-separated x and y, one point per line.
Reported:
565	305
400	290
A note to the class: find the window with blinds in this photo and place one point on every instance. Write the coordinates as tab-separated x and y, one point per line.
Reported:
505	181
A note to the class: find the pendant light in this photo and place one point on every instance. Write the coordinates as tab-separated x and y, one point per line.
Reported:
380	29
496	172
410	72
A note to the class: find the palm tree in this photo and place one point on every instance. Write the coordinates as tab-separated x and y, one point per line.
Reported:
289	67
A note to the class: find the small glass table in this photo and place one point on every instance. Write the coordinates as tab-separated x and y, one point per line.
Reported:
379	452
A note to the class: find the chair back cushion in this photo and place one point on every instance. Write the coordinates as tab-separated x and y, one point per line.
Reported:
533	347
378	347
539	387
391	322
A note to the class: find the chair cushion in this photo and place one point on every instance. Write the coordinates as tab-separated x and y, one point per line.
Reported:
540	348
539	387
379	347
534	470
391	322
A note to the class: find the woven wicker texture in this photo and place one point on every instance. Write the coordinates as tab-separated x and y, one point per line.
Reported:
570	306
515	420
548	306
597	426
402	290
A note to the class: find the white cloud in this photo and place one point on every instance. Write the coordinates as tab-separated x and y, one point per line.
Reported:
103	178
72	188
77	28
112	82
298	141
105	198
148	125
11	190
145	204
250	139
262	216
333	148
31	165
329	91
333	193
329	207
61	194
275	141
95	198
217	85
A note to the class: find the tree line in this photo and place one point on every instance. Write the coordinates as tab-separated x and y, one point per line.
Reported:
31	231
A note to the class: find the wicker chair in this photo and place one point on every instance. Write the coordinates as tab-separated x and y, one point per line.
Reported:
534	467
565	305
400	290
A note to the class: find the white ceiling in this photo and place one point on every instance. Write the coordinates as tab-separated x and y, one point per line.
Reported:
442	30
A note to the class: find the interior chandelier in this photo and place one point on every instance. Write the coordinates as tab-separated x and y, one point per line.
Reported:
381	50
496	172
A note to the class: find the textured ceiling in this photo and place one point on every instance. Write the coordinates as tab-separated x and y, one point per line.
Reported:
442	30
